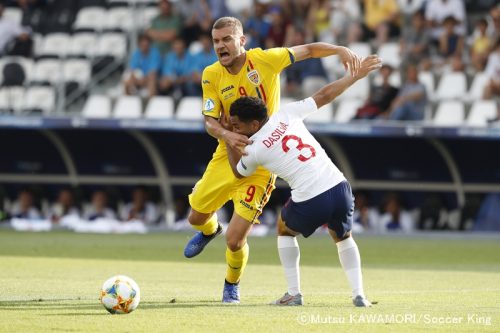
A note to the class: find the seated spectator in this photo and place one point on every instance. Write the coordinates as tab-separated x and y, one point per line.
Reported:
492	70
177	72
99	208
257	26
197	19
481	45
364	217
411	100
409	8
415	43
65	206
319	19
437	10
281	29
140	209
165	27
394	217
380	97
143	68
203	58
381	20
451	44
24	207
14	39
304	76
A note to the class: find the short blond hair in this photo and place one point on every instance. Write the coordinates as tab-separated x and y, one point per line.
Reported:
229	21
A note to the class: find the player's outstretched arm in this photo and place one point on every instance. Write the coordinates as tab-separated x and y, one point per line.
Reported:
329	92
233	140
349	59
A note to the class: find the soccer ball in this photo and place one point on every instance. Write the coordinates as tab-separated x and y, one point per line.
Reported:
120	294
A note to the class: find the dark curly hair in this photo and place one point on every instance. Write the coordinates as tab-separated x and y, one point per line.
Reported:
248	109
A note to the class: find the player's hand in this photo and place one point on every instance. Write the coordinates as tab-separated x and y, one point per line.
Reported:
225	123
368	64
236	141
350	60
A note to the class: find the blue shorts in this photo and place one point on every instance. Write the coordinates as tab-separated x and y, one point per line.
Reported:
333	207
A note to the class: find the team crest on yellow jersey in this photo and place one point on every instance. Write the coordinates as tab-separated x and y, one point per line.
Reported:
254	77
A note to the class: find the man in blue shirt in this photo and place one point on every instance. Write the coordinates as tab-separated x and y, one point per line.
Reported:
204	58
177	72
143	68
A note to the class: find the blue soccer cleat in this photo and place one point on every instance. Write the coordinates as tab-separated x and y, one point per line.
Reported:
231	293
199	241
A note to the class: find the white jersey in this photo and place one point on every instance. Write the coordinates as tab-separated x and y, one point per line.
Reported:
285	147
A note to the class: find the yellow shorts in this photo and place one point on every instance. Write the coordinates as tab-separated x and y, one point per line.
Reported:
219	185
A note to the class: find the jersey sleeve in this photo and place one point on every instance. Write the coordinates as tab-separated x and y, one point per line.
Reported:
300	109
247	164
212	106
277	58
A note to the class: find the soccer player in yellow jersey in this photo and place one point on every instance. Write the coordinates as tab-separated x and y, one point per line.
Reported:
240	73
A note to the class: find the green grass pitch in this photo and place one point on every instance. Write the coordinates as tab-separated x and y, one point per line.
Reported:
49	282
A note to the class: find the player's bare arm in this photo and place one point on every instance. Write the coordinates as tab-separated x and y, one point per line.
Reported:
234	140
349	59
233	157
331	91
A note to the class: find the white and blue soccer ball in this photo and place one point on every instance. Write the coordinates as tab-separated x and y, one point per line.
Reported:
120	294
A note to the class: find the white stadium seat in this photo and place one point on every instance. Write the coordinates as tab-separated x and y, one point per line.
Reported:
55	44
481	112
237	7
452	86
323	115
12	98
13	15
160	107
146	15
360	90
113	44
83	44
361	49
449	113
119	18
26	63
347	110
92	18
128	107
190	108
394	79
477	87
427	79
47	70
389	53
40	98
77	70
97	106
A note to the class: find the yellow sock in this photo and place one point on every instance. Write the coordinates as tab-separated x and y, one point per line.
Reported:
236	262
209	227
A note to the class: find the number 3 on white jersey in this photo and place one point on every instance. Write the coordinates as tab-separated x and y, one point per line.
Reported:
300	146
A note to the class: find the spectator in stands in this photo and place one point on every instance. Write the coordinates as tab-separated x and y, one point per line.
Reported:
65	206
177	72
181	209
381	20
140	208
492	70
451	44
411	100
24	207
345	21
394	217
494	27
481	45
143	68
257	26
14	39
437	10
415	43
197	19
165	27
319	18
203	58
99	208
365	217
409	8
380	98
304	76
281	30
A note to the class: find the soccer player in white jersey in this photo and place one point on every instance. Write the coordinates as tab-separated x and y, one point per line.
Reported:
320	193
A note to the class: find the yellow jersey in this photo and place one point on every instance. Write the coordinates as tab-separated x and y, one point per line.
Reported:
259	77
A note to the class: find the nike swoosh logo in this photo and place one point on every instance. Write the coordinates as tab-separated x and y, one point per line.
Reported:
284	301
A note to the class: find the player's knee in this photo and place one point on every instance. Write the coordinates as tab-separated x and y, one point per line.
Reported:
196	218
234	244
